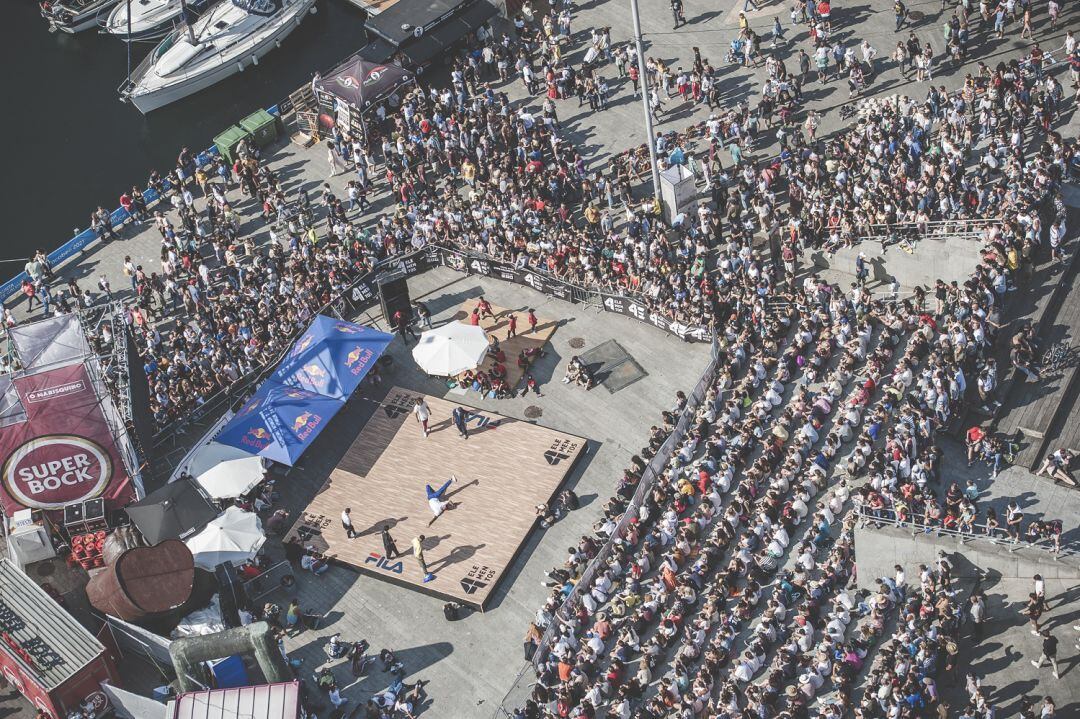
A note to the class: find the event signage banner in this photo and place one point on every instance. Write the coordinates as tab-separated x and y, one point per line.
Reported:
630	308
560	290
64	452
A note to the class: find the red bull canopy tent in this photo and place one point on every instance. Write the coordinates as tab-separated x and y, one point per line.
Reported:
311	384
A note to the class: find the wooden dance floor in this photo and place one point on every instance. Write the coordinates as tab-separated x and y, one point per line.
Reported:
504	469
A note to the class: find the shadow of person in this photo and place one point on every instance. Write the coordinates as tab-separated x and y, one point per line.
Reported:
461	488
389	522
456	555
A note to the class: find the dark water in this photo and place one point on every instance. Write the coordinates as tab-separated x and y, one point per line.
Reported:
69	144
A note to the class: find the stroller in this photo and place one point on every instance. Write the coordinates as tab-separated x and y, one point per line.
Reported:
735	51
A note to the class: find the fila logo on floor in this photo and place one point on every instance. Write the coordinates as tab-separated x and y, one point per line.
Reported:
383	563
472	585
481	421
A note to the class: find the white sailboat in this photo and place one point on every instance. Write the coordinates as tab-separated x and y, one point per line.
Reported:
73	16
227	38
144	19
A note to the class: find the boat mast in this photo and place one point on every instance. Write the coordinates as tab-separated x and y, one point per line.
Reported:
129	41
189	22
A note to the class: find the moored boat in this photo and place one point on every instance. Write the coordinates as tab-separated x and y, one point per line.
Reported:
226	39
146	19
73	16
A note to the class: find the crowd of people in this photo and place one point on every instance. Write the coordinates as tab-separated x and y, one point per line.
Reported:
730	590
675	620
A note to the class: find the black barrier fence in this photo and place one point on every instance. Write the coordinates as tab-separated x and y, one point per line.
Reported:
626	305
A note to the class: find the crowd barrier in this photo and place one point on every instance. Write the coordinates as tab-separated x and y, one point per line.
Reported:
996	535
626	305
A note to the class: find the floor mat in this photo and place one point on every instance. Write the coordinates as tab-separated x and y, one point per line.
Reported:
612	366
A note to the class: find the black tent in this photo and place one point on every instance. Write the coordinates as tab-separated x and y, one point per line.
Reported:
175	511
363	84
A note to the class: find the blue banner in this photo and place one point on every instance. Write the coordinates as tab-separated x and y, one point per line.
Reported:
279	422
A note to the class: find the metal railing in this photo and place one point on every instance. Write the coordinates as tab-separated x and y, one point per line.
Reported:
968	229
996	535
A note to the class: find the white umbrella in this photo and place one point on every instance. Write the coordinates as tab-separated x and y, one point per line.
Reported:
451	349
235	536
225	472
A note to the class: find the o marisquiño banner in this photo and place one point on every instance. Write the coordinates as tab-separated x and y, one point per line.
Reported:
64	451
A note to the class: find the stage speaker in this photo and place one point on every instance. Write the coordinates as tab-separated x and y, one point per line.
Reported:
74	521
394	297
231	593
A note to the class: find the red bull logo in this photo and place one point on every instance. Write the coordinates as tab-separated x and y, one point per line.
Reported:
316	374
305	423
358	359
302	344
296	393
348	328
258	437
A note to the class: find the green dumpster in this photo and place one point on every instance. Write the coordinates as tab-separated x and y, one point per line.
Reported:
228	141
262	126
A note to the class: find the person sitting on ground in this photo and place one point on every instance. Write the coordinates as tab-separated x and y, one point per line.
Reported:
1056	467
585	378
547	515
336	649
313	561
573	370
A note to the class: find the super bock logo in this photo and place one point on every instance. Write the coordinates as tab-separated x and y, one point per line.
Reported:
54	470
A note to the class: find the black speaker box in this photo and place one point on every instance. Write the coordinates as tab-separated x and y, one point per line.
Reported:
231	594
394	297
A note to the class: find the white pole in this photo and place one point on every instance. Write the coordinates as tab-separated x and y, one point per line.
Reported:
644	78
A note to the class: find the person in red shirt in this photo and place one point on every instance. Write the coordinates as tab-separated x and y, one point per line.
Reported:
474	318
512	330
532	320
974	439
484	308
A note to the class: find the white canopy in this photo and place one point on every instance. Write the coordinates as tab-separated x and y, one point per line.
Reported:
235	536
225	472
451	349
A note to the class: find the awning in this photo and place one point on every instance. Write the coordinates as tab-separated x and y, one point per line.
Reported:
321	370
467	21
446	34
172	512
331	358
363	83
419	52
266	701
279	423
378	50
